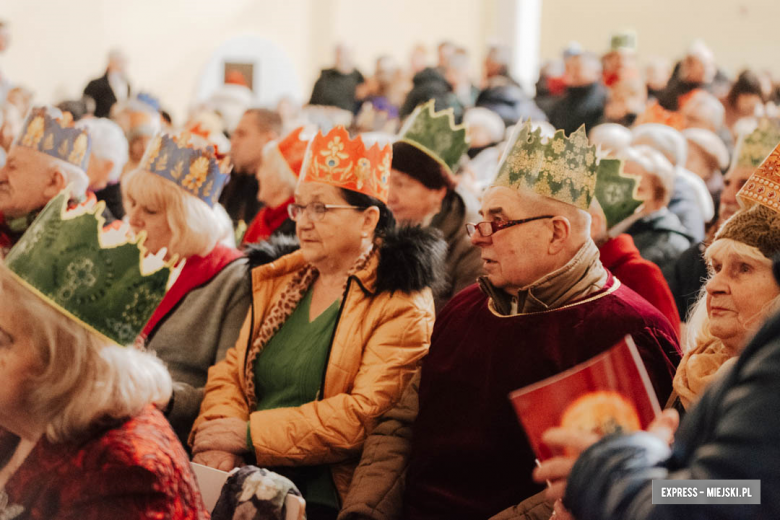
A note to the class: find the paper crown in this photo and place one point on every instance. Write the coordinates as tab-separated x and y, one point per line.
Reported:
753	148
436	134
47	130
562	168
293	150
337	160
625	40
616	191
199	171
763	186
655	113
97	277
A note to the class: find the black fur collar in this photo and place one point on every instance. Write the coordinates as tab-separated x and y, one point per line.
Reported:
410	258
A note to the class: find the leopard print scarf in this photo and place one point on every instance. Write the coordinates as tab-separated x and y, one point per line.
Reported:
281	309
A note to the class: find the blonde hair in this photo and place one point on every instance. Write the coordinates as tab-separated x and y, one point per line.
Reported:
83	378
195	227
698	328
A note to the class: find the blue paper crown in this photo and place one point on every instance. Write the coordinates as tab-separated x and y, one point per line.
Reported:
201	172
47	130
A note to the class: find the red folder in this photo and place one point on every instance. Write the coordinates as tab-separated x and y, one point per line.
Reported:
608	393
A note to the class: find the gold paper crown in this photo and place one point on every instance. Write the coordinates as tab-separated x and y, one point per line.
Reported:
754	147
562	168
763	186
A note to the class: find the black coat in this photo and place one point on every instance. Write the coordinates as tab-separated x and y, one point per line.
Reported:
334	88
660	237
507	99
580	106
100	90
686	276
732	433
430	84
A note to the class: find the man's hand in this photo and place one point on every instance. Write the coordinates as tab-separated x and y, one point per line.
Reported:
227	434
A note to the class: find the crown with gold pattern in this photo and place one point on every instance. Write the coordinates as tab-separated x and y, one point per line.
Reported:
436	134
616	191
763	186
562	168
293	150
48	130
202	172
337	160
753	148
98	277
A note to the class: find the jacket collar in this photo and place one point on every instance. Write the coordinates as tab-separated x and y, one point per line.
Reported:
582	276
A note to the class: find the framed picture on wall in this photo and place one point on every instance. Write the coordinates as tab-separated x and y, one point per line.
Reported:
240	74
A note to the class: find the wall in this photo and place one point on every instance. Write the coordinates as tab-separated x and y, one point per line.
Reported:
740	32
58	46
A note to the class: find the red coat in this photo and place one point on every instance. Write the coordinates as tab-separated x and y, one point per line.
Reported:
137	470
622	258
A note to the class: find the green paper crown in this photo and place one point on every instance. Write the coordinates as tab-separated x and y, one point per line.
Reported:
753	148
436	134
616	191
562	168
625	40
94	276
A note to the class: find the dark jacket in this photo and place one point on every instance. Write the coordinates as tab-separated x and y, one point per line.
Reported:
580	106
686	276
660	237
100	90
464	260
336	89
732	433
239	198
685	205
430	84
112	195
507	99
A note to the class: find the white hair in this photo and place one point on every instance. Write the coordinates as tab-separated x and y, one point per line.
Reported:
108	143
486	119
655	164
611	137
663	138
705	102
83	379
195	227
73	175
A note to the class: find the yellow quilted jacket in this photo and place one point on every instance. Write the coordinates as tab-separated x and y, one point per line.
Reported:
380	338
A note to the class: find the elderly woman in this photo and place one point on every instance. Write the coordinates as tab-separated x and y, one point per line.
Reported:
732	432
107	159
658	234
80	436
277	176
423	193
335	332
171	198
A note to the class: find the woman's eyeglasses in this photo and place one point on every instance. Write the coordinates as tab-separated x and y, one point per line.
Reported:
316	210
488	228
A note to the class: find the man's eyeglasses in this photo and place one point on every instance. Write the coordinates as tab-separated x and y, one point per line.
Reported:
488	228
316	210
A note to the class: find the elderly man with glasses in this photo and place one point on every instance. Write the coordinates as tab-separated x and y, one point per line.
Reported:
545	305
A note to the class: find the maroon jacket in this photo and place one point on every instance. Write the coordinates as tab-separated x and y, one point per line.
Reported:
622	258
470	458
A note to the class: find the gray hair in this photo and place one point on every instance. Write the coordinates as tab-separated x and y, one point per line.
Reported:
108	142
663	138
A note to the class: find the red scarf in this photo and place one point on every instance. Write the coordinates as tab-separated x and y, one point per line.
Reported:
197	271
266	222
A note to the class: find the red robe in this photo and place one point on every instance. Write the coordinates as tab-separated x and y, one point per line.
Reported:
470	458
621	257
137	470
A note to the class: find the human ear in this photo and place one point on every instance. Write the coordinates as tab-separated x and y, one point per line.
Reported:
560	235
369	222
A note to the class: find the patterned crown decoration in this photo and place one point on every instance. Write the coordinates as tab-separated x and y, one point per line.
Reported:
616	191
436	134
96	276
337	160
753	148
293	150
48	130
201	172
763	186
562	168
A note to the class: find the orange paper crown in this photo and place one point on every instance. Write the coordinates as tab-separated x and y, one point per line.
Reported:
337	160
655	113
293	149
